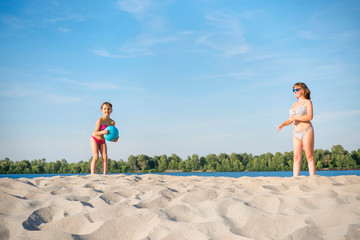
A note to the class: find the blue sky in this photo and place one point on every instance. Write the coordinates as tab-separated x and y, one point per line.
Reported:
184	77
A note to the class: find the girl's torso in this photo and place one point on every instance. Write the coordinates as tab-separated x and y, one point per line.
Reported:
104	124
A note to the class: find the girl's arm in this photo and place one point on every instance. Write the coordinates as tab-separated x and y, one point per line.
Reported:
113	124
309	116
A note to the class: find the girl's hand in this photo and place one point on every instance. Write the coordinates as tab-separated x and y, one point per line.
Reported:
106	132
279	127
116	139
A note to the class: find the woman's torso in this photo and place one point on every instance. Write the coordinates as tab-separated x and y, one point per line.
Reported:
299	109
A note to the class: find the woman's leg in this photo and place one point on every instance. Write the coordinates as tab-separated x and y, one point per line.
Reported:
308	142
95	151
103	150
298	147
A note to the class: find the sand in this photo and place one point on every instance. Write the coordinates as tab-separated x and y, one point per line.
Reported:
169	207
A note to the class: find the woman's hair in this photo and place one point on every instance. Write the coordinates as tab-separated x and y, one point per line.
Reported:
304	88
106	103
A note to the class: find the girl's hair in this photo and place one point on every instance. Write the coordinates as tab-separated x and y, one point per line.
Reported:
106	103
304	88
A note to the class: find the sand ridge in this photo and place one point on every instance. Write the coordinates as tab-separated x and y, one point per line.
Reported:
169	207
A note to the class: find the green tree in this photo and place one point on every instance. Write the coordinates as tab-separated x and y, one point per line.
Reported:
132	161
163	163
5	166
188	164
143	161
202	163
195	162
225	163
174	162
319	165
355	155
64	166
154	163
75	167
212	162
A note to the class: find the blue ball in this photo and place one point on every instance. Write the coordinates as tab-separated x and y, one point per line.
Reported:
113	133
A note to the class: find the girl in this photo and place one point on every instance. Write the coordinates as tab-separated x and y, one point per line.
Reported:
301	113
97	140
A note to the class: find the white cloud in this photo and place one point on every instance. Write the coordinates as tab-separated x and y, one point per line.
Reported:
91	85
224	35
62	99
20	92
142	45
59	71
142	9
260	57
14	22
64	30
308	35
133	53
105	53
336	115
99	85
329	67
234	75
16	92
137	7
72	18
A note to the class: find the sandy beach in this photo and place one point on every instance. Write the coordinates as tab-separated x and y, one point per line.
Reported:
168	207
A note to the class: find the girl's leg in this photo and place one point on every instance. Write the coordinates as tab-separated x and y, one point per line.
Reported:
103	150
95	151
308	142
298	147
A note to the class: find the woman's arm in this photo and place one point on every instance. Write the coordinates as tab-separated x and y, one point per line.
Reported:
286	123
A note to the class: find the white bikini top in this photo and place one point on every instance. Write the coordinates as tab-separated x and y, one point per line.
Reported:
300	111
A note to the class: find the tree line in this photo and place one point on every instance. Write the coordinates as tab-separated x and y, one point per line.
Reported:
336	158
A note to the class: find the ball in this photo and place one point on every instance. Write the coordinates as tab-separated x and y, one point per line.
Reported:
113	133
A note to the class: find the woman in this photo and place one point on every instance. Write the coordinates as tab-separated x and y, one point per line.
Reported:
301	113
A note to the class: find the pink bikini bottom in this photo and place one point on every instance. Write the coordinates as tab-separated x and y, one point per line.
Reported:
98	141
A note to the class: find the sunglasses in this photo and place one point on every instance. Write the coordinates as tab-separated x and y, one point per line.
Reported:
296	89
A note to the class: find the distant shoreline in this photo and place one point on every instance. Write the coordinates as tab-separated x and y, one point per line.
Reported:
337	169
322	169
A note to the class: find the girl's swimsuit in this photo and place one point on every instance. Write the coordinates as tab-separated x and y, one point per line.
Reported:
300	111
102	128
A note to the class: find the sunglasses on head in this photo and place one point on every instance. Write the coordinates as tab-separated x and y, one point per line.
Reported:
296	89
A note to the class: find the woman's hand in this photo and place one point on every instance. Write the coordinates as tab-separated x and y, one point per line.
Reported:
288	121
106	132
116	139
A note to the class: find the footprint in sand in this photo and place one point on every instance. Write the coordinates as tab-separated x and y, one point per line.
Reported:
111	198
169	193
84	200
182	213
42	216
160	202
199	195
